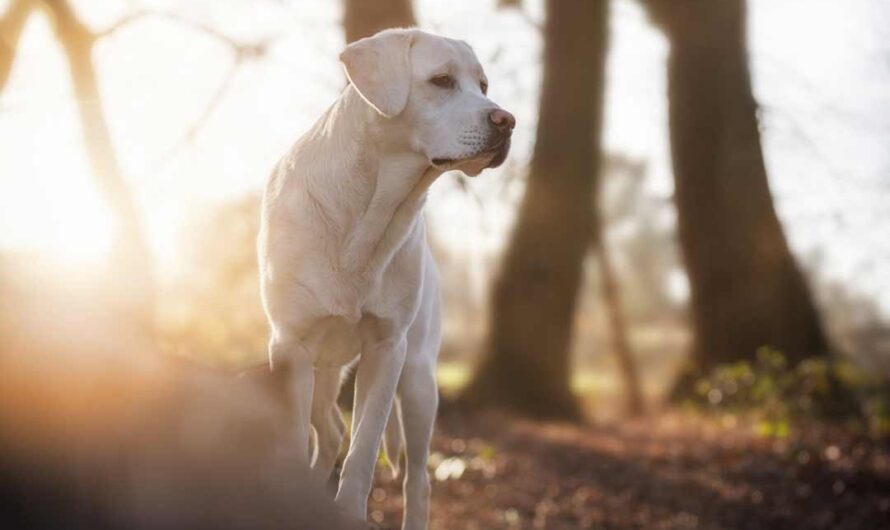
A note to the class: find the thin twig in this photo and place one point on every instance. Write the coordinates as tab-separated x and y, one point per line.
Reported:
465	187
241	49
526	16
192	132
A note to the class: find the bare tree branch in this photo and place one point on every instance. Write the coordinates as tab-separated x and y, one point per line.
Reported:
242	51
192	132
461	181
530	20
245	49
122	23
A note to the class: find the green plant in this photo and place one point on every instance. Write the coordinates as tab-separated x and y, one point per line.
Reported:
779	394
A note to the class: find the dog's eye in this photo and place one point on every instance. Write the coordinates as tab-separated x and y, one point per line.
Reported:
443	81
484	86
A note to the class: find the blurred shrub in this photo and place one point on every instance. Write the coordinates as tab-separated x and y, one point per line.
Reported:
212	311
780	395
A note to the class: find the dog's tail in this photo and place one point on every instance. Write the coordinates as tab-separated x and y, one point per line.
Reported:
392	439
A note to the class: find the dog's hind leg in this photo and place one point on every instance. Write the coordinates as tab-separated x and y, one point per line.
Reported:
419	398
327	421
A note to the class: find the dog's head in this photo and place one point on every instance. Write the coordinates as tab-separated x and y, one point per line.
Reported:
433	89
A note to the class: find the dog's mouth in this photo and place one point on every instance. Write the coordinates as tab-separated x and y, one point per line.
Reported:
498	154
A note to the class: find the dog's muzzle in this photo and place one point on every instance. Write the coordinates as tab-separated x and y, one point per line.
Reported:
496	147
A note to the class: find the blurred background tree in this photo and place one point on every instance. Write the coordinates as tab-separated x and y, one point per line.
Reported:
528	364
747	289
11	26
609	285
131	255
363	19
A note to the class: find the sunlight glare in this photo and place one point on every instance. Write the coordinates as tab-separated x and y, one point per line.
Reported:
49	201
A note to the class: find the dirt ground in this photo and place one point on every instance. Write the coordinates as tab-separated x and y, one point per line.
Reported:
673	471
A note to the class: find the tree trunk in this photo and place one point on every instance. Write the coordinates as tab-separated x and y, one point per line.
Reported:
131	253
527	368
362	18
746	288
10	30
633	393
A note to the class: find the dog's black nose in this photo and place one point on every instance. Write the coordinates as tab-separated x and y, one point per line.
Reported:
503	120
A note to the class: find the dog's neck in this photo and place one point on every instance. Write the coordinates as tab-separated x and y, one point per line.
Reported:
369	150
376	191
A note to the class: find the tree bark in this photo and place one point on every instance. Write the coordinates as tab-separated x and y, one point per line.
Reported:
527	367
746	288
131	252
362	18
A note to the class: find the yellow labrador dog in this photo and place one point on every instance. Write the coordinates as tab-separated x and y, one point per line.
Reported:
346	269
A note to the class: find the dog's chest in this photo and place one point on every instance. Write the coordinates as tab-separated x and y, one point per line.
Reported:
388	308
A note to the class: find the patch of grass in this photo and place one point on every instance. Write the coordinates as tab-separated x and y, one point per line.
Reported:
453	376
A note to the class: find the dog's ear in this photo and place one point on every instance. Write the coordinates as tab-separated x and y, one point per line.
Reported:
380	69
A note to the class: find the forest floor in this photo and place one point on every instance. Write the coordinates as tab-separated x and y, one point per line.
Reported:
671	471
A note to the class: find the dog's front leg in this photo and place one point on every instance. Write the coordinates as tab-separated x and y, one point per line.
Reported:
384	227
362	242
375	384
290	357
400	226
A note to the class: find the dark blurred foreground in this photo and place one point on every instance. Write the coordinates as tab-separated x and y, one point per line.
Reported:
98	431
